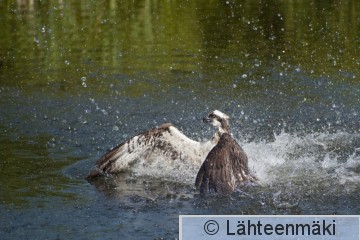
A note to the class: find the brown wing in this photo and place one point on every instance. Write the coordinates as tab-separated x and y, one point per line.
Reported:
224	168
215	175
239	161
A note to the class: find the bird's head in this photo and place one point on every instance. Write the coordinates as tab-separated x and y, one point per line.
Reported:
218	120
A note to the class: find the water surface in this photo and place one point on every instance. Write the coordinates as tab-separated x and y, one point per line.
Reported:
79	77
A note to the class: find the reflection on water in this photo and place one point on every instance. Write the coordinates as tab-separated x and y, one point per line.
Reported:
78	77
231	38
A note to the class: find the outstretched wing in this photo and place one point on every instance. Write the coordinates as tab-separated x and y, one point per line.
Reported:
224	168
165	141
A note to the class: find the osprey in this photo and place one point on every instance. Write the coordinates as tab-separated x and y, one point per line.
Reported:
165	142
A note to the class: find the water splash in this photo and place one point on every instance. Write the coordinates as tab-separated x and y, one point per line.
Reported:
321	158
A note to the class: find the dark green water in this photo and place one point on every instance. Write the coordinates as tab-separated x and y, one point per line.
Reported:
79	77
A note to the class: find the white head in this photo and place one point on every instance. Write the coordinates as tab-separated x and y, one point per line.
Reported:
219	120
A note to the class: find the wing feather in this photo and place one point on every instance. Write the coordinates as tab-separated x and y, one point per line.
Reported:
165	141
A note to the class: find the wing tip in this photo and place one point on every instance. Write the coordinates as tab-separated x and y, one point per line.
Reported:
94	173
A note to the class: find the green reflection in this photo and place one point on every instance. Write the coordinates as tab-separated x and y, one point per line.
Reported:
42	42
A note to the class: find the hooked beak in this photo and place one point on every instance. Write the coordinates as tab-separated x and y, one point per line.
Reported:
206	119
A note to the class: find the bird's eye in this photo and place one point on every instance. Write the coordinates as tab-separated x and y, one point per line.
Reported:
212	115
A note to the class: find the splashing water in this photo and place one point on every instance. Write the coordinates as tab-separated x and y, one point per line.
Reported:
316	159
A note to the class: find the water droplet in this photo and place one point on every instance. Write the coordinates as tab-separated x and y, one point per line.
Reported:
83	79
104	111
36	39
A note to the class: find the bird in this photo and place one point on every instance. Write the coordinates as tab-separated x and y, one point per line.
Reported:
165	142
224	169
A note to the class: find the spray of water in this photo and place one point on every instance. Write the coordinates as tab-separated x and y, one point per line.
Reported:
316	159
